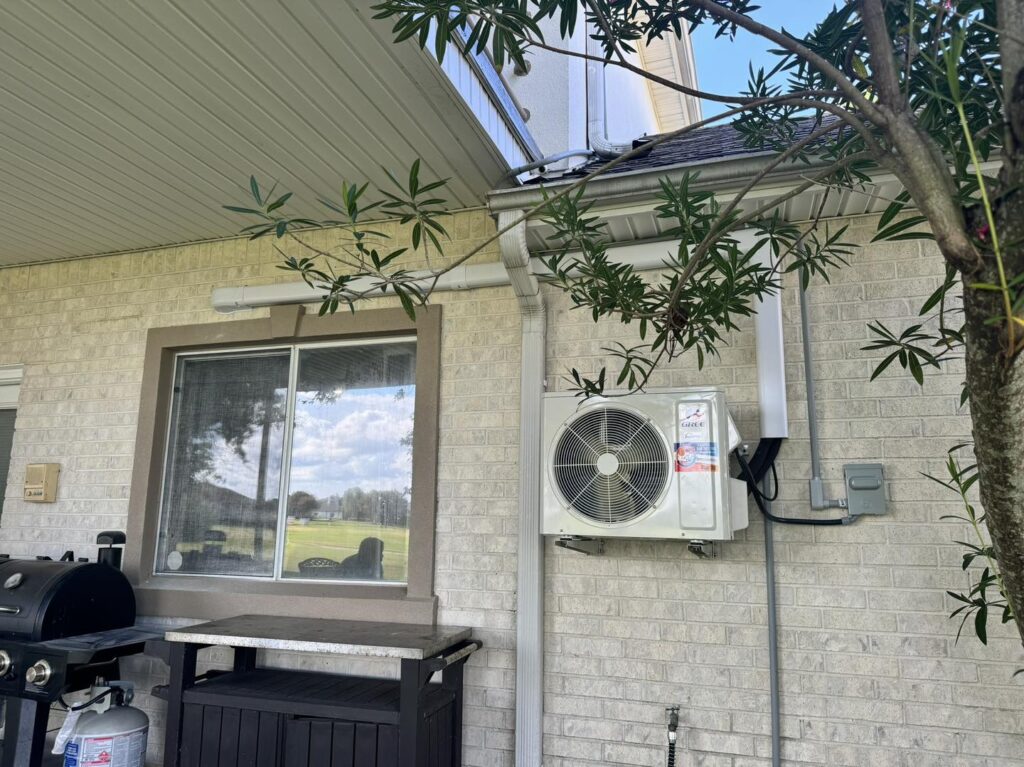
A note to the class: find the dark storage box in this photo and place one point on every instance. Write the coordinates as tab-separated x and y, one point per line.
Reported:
287	718
269	717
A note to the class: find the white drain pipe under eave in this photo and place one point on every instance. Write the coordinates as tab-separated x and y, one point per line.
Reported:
529	726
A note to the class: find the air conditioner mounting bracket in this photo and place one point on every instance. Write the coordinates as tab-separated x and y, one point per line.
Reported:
588	546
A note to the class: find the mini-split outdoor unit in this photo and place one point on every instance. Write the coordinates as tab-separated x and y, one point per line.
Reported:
646	465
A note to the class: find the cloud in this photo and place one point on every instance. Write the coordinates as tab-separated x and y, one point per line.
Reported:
357	440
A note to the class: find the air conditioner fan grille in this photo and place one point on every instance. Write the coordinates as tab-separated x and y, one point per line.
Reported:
610	465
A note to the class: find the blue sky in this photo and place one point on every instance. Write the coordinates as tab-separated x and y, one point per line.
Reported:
722	64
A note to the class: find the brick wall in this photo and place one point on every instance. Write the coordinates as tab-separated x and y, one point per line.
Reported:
871	674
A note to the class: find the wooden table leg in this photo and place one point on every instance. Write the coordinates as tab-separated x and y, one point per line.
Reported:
244	659
412	730
183	676
452	681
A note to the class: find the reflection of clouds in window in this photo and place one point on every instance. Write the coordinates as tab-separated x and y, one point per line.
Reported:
356	440
239	470
350	462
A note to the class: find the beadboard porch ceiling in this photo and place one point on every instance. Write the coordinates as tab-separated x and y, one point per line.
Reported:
128	125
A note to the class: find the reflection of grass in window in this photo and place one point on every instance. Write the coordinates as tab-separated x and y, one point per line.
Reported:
335	539
338	539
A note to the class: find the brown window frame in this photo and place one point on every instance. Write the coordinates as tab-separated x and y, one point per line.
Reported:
168	595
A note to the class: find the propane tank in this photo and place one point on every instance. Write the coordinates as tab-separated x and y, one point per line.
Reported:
109	732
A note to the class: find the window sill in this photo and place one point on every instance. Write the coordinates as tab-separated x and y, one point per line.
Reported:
213	598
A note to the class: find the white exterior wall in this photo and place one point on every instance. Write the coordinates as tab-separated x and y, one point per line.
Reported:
630	112
555	92
871	674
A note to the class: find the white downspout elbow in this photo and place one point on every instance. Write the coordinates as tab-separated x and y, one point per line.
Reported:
597	106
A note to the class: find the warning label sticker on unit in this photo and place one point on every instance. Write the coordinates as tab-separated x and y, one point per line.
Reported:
696	456
106	751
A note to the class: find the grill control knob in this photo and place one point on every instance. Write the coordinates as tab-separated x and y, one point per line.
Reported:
39	674
6	664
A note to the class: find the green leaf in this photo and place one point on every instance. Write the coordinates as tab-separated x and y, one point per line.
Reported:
915	370
892	232
248	211
952	55
981	623
280	201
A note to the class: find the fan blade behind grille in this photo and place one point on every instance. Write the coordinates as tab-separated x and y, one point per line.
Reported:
641	472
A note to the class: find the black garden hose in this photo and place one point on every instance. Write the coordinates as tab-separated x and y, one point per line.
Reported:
673	726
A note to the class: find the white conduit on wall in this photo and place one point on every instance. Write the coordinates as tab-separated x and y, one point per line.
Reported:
519	270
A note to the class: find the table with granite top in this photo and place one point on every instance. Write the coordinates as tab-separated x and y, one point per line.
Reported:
410	721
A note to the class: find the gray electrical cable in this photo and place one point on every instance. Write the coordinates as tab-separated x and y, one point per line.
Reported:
818	500
773	630
550	159
812	402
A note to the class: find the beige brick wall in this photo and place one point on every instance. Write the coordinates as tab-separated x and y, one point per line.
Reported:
871	674
79	328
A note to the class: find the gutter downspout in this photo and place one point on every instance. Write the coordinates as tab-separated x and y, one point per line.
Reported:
597	114
529	725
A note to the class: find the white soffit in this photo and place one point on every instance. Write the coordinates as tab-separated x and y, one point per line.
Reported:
128	125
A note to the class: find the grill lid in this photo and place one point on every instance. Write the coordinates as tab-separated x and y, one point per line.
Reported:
42	599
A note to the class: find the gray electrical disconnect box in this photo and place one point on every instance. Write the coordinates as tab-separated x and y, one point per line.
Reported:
865	488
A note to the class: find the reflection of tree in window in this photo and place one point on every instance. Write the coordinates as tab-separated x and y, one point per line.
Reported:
222	404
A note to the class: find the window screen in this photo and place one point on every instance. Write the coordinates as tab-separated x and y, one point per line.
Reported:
223	472
6	441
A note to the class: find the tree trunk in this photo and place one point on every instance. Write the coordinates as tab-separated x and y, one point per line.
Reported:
997	413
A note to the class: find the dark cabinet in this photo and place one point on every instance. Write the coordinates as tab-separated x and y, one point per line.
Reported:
271	717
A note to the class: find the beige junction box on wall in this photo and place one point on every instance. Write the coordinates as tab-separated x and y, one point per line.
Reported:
41	482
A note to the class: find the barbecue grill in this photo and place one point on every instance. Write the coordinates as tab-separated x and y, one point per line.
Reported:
62	624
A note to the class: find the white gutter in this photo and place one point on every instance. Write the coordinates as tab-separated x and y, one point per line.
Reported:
227	300
529	727
467	277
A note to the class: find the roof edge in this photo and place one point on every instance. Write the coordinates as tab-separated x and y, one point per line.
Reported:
723	174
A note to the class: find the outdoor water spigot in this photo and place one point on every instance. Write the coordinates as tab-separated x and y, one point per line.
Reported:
673	727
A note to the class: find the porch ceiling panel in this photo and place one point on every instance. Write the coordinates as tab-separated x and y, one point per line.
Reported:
128	125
